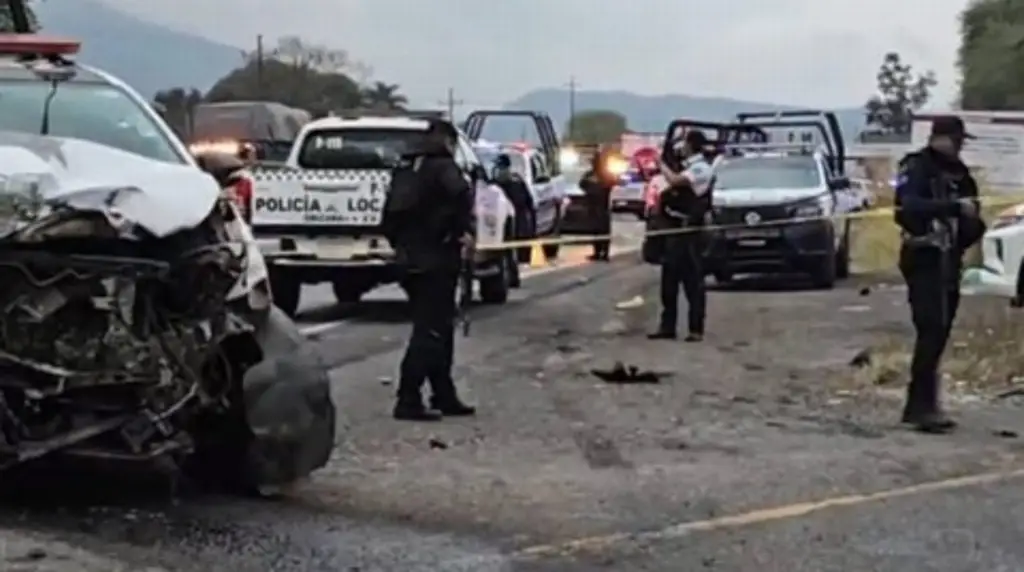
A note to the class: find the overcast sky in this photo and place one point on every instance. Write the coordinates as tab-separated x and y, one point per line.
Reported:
801	52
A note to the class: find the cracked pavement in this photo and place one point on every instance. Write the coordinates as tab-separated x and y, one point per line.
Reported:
758	453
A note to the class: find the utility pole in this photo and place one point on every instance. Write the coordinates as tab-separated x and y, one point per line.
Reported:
451	103
572	107
259	67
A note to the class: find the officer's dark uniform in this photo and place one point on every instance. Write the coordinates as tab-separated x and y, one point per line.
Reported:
936	228
597	186
518	194
685	205
431	252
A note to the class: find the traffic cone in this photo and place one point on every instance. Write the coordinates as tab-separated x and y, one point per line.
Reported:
537	257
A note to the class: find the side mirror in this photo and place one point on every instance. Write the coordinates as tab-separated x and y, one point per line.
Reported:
542	179
839	184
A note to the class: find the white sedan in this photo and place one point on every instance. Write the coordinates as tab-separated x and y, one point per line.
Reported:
1002	247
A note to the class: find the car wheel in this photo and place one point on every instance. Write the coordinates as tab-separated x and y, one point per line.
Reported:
1018	300
722	277
843	255
824	276
494	289
346	292
285	290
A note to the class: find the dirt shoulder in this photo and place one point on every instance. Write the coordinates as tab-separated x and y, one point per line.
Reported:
767	411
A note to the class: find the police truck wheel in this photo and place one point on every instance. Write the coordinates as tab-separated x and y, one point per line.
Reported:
347	293
824	276
843	256
494	289
286	291
551	250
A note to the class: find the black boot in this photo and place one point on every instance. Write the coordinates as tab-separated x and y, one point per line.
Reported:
452	407
409	410
933	422
662	334
694	337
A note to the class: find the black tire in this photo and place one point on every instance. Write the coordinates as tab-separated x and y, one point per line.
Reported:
843	255
551	250
286	291
722	277
347	293
825	275
494	289
1018	300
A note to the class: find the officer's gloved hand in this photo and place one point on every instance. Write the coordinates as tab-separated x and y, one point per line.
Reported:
968	208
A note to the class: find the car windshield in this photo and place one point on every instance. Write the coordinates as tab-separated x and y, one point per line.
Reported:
489	155
356	148
768	173
100	113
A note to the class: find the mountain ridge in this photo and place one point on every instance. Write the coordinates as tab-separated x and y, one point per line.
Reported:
105	31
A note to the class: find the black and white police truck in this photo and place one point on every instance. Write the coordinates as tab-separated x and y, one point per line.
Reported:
318	216
784	199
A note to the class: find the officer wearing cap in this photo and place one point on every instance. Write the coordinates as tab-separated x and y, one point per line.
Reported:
685	205
597	184
937	212
518	193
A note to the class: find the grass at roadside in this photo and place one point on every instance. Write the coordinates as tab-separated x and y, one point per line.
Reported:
986	353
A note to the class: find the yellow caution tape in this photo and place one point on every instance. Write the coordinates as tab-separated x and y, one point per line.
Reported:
855	215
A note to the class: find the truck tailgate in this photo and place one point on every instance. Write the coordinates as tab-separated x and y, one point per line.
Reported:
317	202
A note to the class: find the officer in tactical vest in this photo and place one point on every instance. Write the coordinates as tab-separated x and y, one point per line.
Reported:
597	184
428	218
937	211
518	194
684	206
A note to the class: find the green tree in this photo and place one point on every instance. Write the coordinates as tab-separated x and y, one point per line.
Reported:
991	55
384	95
901	92
6	22
596	126
178	105
295	74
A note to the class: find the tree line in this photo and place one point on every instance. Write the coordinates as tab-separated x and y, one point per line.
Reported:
294	73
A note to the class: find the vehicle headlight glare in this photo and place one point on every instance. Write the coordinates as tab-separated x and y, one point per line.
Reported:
568	158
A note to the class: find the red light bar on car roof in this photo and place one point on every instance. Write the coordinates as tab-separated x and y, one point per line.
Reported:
36	45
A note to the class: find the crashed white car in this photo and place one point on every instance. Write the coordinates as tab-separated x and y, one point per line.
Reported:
1002	268
136	320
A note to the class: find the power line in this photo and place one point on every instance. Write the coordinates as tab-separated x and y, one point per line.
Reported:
572	106
450	102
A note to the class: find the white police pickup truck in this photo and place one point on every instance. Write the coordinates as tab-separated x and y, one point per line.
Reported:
318	216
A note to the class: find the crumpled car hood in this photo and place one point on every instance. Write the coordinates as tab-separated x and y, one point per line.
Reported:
162	198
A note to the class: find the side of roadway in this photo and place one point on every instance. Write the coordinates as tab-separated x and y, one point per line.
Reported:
33	552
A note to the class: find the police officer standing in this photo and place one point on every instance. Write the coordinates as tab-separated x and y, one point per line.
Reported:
430	241
597	186
518	194
937	211
684	205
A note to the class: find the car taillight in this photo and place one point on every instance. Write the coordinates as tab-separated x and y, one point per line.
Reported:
242	192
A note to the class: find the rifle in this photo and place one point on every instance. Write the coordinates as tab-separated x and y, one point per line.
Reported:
945	239
466	271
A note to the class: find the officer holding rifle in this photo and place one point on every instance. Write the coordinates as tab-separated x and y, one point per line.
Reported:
937	211
683	207
428	219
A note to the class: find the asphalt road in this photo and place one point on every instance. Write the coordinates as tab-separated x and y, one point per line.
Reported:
760	452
